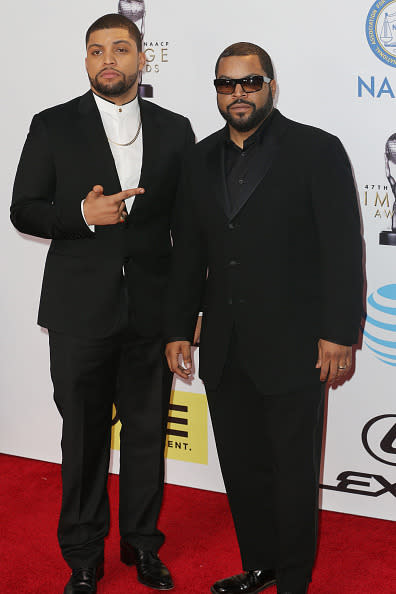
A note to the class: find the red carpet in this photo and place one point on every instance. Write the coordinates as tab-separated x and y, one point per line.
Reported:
356	555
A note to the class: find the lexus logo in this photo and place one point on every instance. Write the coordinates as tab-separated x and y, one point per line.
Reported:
379	438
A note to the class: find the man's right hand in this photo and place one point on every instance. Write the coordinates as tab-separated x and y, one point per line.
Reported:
107	210
175	350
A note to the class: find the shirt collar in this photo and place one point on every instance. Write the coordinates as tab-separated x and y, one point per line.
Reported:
257	136
130	109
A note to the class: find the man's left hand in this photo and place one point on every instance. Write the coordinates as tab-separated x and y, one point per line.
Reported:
334	360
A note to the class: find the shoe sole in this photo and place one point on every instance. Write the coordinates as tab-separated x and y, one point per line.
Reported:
261	589
155	587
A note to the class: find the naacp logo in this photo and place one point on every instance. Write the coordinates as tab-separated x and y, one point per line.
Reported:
381	30
380	328
379	438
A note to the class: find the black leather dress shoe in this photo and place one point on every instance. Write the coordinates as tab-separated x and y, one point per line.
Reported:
84	580
251	582
150	569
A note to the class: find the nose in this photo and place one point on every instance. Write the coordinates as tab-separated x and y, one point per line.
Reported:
108	57
238	91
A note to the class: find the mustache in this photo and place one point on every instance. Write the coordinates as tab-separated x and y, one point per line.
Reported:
107	69
240	102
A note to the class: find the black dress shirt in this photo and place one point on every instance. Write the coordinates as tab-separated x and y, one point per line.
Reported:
240	162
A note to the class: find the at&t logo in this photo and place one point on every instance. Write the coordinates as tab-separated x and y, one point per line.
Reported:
380	329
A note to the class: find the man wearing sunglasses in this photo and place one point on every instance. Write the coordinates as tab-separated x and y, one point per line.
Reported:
272	248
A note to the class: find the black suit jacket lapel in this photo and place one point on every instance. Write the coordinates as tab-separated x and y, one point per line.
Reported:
216	168
99	157
259	168
151	137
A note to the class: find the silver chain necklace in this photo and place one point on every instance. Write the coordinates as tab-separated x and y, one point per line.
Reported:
131	141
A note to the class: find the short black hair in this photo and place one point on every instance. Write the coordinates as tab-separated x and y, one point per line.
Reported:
244	48
116	21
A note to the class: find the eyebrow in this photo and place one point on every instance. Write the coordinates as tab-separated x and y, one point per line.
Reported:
114	43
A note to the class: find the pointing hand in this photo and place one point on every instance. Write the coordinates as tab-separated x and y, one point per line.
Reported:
107	210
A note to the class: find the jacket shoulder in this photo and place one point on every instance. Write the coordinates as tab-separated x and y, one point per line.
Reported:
311	134
206	144
161	112
61	110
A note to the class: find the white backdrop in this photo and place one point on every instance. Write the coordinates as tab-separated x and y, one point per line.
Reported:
328	76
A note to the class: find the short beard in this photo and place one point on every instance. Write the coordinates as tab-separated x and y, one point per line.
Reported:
253	120
114	89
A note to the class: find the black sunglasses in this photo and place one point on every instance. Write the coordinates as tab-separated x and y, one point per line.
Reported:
249	84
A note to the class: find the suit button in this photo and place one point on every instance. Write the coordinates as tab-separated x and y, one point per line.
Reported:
233	263
231	226
229	301
241	181
242	301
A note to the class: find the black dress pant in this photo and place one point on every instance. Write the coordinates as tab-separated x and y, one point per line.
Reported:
269	448
88	376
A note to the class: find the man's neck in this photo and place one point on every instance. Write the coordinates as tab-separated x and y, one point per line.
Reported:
121	99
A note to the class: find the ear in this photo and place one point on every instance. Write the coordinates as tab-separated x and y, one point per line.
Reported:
141	61
273	87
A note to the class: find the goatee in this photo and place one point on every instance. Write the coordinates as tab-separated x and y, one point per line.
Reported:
257	116
114	89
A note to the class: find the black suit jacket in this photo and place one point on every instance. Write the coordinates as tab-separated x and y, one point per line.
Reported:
66	153
284	267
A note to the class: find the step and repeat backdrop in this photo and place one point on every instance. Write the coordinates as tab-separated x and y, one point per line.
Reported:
336	69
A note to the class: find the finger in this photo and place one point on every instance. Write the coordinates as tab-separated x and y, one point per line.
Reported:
182	373
121	207
186	355
333	372
324	370
172	352
125	194
343	367
98	189
319	360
